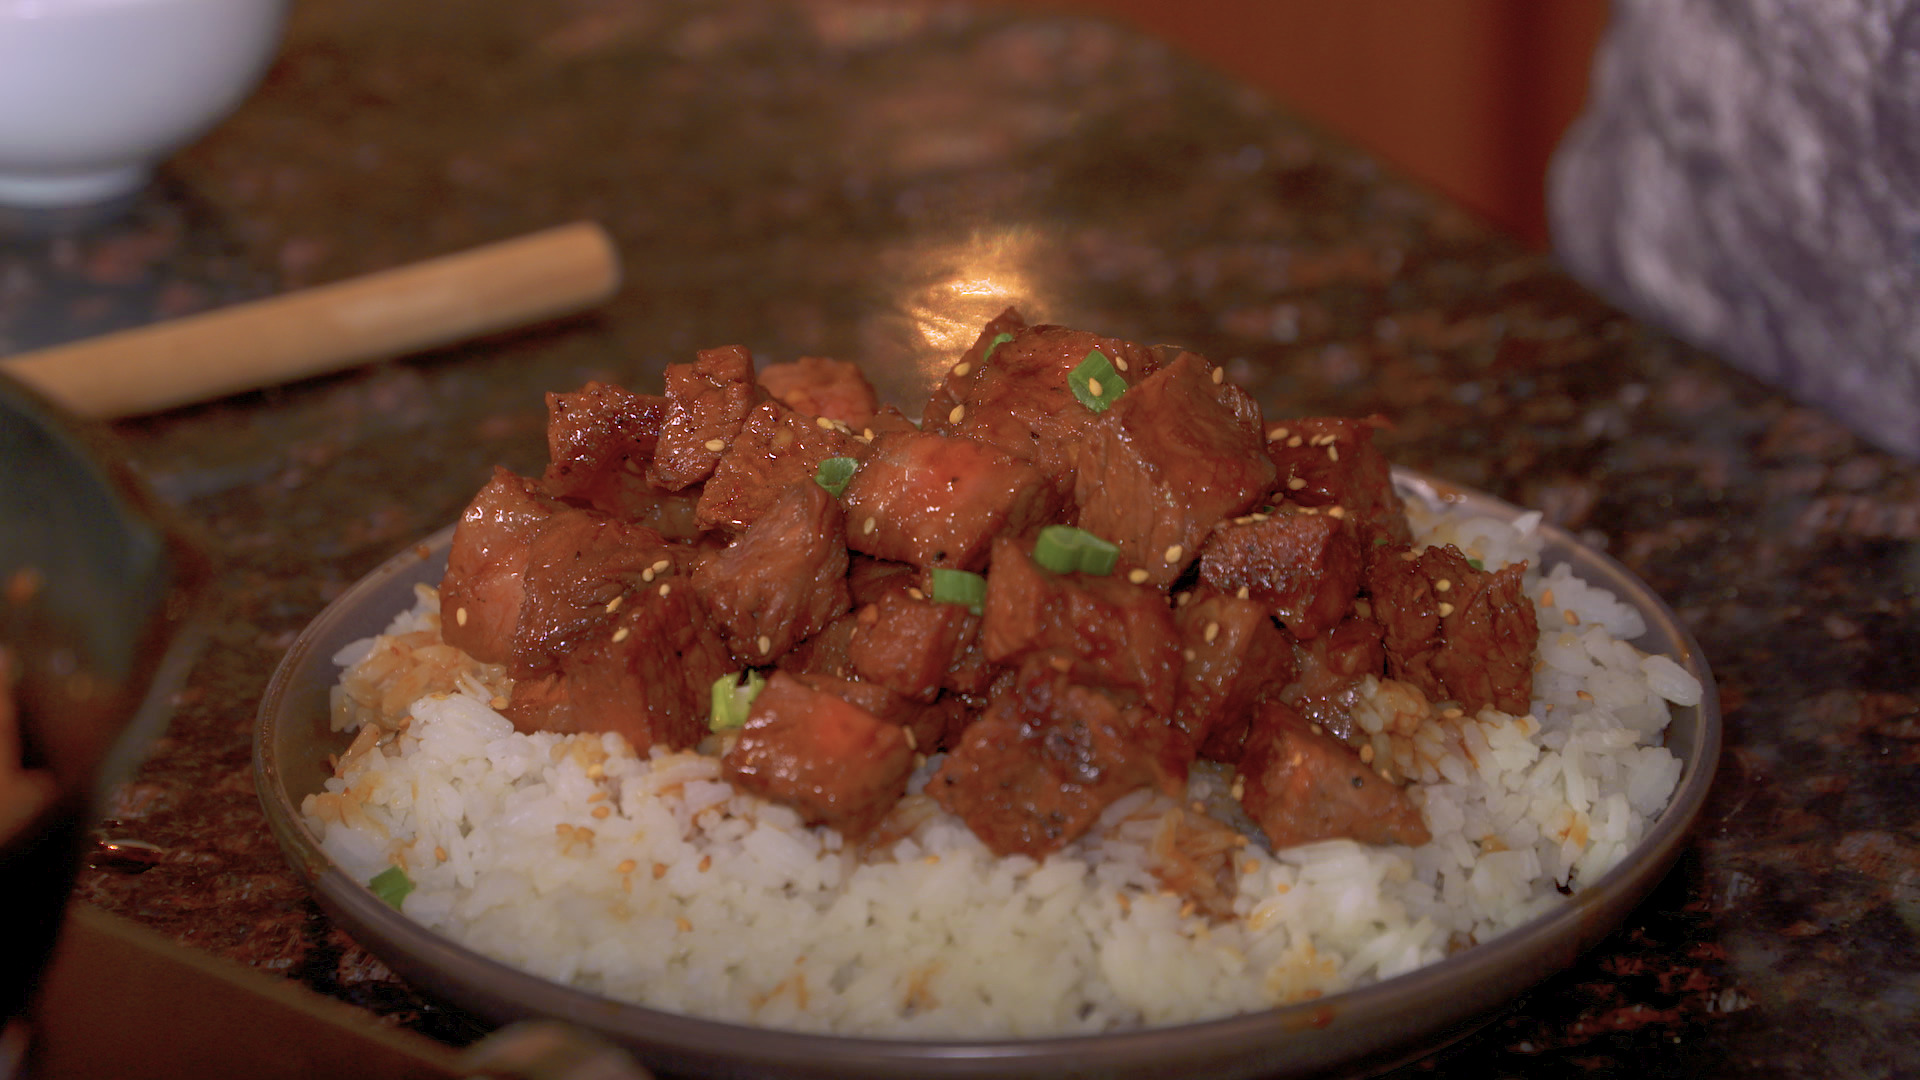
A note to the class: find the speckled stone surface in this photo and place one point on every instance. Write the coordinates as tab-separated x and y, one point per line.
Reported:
870	183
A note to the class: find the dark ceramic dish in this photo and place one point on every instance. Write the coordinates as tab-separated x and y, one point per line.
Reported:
1361	1031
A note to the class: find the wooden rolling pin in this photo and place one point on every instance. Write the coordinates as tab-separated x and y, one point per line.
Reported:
328	327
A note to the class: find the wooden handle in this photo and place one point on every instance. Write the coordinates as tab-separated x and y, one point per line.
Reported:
328	327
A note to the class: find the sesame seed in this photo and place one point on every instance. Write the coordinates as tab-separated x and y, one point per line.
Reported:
627	866
867	527
665	589
1138	577
866	434
1120	362
1442	585
958	414
1295	484
1187	909
1336	512
1333	453
613	605
1250	866
1185	597
916	593
1219	376
1366	754
1258	517
647	574
961	369
439	853
1572	619
601	812
1445	610
1546	597
1173	553
620	635
1212	632
716	445
930	860
598	795
1293	442
1188	654
659	870
824	422
1060	664
662	566
765	644
1408	556
1452	713
682	924
1276	434
460	616
912	743
1242	592
1583	695
1094	387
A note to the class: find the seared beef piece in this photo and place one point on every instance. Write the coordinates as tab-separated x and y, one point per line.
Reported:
825	653
1455	632
1174	455
1048	755
816	386
870	579
1304	567
925	723
889	418
709	401
1109	632
961	376
1330	668
1302	787
783	580
1233	655
906	644
935	501
776	448
1331	461
1019	399
647	675
484	586
832	761
599	441
582	566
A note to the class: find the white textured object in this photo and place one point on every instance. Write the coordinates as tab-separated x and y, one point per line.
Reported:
93	93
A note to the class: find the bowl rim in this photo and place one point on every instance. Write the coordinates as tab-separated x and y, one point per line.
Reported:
1418	1011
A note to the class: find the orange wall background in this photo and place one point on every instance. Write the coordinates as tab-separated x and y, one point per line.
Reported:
1466	96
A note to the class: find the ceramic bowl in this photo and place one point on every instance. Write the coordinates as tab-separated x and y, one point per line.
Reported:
93	93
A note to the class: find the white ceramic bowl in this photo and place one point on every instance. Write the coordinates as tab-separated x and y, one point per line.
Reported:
93	93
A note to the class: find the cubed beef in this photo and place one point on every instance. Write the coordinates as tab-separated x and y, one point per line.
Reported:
932	501
1233	655
1457	633
646	675
1174	455
925	723
783	580
1301	787
870	579
708	403
830	760
599	441
1108	631
825	653
776	448
1019	399
1331	461
816	386
581	567
485	584
1304	567
1328	670
1034	772
907	643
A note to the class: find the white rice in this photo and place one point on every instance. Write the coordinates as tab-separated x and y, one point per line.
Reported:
646	878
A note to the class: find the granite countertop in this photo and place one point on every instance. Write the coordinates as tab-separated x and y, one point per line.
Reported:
871	183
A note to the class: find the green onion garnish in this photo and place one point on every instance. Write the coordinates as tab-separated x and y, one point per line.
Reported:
1095	382
999	340
1064	549
959	587
834	473
1476	564
391	885
732	698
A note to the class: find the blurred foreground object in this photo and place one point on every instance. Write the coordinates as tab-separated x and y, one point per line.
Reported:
1747	174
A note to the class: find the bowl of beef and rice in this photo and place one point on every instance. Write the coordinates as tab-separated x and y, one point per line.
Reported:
1090	722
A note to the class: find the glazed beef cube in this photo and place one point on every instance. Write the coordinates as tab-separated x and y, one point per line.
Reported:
931	501
1110	632
1232	655
1174	455
646	675
485	585
783	580
825	653
708	403
1019	399
830	760
1455	632
1304	567
906	644
1328	670
1301	787
581	568
776	449
925	724
954	386
1331	461
816	386
599	441
1036	769
870	579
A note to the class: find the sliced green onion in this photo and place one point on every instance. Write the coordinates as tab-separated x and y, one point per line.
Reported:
834	473
999	340
391	885
732	699
1064	549
1095	382
959	587
1476	564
